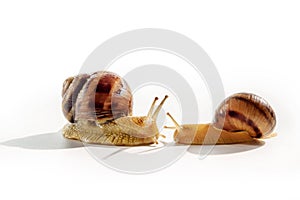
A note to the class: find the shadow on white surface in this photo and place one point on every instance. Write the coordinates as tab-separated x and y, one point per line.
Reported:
46	141
108	151
216	149
226	149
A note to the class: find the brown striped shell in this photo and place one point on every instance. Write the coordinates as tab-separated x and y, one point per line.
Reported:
101	96
245	112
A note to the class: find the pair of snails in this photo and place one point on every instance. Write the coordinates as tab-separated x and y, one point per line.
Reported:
99	109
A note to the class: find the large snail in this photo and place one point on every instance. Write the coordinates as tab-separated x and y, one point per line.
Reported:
241	117
99	109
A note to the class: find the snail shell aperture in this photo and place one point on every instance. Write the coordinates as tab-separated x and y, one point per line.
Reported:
245	112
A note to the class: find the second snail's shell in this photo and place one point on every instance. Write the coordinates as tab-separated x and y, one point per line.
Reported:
101	96
245	112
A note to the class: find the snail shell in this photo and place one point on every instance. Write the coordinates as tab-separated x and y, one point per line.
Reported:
245	112
102	96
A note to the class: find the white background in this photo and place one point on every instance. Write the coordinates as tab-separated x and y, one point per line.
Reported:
254	44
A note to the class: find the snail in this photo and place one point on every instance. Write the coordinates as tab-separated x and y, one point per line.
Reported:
99	109
242	117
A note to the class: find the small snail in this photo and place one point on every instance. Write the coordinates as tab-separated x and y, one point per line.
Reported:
240	118
99	109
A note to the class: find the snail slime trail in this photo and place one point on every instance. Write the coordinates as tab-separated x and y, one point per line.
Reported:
99	110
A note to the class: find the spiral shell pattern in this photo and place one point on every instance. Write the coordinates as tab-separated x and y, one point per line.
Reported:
102	96
245	112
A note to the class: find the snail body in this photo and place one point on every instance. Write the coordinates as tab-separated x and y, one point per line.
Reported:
242	117
109	134
99	109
